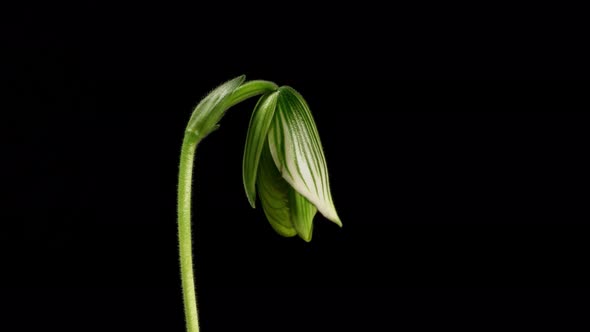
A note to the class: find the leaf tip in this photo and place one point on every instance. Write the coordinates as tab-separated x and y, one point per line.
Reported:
305	237
252	202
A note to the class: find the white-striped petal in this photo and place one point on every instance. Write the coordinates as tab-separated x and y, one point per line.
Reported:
255	141
297	151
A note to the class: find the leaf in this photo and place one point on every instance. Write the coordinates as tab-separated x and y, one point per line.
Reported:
273	191
210	110
296	149
302	213
255	141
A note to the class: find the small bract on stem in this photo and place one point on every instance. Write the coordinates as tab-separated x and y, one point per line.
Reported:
283	163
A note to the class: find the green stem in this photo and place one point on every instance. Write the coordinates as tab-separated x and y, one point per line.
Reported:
192	137
187	157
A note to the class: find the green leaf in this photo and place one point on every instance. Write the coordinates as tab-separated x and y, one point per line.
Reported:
255	141
274	195
210	110
296	149
302	213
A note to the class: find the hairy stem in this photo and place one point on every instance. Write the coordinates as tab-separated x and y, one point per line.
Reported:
192	137
187	157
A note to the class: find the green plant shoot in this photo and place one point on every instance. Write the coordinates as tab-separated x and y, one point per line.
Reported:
284	164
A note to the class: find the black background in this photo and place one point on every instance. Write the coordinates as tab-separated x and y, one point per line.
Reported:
463	202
